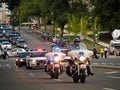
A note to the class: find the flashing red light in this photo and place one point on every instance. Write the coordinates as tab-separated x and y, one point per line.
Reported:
39	49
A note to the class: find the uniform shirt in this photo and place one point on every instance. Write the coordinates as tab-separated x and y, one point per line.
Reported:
81	46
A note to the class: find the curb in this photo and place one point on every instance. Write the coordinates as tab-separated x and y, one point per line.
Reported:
106	67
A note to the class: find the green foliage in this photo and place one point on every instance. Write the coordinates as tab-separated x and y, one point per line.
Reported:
12	4
109	13
84	25
14	20
73	24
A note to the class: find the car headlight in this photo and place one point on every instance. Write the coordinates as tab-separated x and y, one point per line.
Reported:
21	60
34	61
25	45
16	59
82	58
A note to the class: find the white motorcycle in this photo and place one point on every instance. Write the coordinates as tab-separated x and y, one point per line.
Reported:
79	64
54	65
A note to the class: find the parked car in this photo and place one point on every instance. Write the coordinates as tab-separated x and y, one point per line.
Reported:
21	58
13	52
6	44
13	35
1	33
21	43
45	35
14	40
3	40
9	33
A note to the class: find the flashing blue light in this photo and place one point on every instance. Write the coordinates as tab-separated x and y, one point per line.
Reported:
57	48
51	59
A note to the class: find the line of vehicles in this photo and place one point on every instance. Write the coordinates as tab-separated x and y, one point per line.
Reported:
11	40
61	42
54	62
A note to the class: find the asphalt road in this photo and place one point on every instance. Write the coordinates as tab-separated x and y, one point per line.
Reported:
14	78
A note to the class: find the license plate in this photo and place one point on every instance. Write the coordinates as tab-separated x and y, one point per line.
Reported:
83	66
81	53
65	64
57	65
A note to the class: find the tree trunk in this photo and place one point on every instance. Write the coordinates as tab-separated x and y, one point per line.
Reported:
38	22
62	31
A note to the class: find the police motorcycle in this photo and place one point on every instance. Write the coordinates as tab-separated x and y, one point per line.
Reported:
54	65
78	67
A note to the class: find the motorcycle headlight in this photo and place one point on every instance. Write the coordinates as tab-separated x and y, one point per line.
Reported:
56	59
82	58
76	63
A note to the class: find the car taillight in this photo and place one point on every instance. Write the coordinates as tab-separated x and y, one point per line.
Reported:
39	49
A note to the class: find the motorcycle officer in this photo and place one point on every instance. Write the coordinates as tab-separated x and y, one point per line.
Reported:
76	46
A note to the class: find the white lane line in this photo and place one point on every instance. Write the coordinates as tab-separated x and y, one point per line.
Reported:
111	64
111	72
104	63
113	77
109	89
16	70
8	65
118	64
0	65
95	63
31	74
58	80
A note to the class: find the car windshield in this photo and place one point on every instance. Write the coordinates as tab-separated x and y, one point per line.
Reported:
37	54
5	43
22	41
24	54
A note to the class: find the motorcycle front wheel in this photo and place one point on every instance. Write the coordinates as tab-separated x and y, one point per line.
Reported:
53	76
75	79
82	80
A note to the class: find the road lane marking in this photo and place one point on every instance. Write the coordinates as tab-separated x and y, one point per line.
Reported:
95	63
111	63
118	64
104	63
113	77
31	74
111	72
109	89
0	65
17	70
58	80
8	65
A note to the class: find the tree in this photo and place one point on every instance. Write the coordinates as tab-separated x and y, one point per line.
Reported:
109	13
73	24
12	4
84	25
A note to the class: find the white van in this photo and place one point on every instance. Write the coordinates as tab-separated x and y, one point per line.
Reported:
114	44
